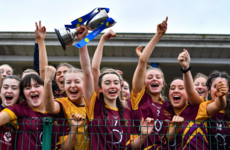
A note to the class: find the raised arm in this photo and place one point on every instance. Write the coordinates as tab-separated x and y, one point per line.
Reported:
140	72
96	62
221	102
88	87
40	34
36	57
193	96
52	107
4	118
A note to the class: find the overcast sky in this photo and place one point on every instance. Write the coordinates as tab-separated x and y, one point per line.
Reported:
138	16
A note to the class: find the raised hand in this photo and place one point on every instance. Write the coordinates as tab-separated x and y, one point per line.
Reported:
138	51
147	125
40	32
49	73
221	89
76	120
177	120
184	59
83	32
109	34
161	28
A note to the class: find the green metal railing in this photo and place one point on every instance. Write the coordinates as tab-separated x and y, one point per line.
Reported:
45	134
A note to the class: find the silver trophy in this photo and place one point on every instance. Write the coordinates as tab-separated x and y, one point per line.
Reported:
66	35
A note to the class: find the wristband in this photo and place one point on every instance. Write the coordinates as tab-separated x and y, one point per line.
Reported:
184	71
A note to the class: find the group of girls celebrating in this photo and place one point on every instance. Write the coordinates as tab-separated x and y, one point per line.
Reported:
94	109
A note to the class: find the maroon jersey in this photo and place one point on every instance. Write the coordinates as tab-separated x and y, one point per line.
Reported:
129	103
219	131
109	133
144	106
30	127
7	135
193	132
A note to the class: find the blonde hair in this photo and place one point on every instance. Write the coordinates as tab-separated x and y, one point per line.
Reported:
74	70
8	66
198	75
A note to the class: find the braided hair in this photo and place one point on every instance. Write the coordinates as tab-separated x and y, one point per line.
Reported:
118	102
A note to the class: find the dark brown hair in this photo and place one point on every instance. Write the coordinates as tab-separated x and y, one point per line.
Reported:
118	102
26	82
217	74
198	75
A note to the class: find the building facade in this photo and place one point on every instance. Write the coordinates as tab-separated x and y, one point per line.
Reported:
208	52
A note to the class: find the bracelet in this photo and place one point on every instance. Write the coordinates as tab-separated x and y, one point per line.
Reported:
184	71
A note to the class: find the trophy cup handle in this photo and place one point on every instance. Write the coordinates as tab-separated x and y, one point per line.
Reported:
76	32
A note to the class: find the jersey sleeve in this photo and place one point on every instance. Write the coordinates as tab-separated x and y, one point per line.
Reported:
36	58
90	107
133	137
202	99
10	113
64	106
136	98
202	111
19	110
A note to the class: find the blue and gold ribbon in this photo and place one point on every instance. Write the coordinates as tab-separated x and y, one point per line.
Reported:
93	34
79	21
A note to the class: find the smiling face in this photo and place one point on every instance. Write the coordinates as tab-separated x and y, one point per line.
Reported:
34	94
200	86
154	81
177	94
213	90
10	92
110	86
6	71
73	86
60	77
125	90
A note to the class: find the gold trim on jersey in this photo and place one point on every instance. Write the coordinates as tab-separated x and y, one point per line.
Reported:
195	132
10	113
182	109
107	106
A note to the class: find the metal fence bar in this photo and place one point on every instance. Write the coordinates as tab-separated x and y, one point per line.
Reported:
47	130
107	129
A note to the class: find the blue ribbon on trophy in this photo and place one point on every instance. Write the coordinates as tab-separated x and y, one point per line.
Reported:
96	20
93	34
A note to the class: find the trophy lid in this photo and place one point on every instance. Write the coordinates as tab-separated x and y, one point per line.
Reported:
96	19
